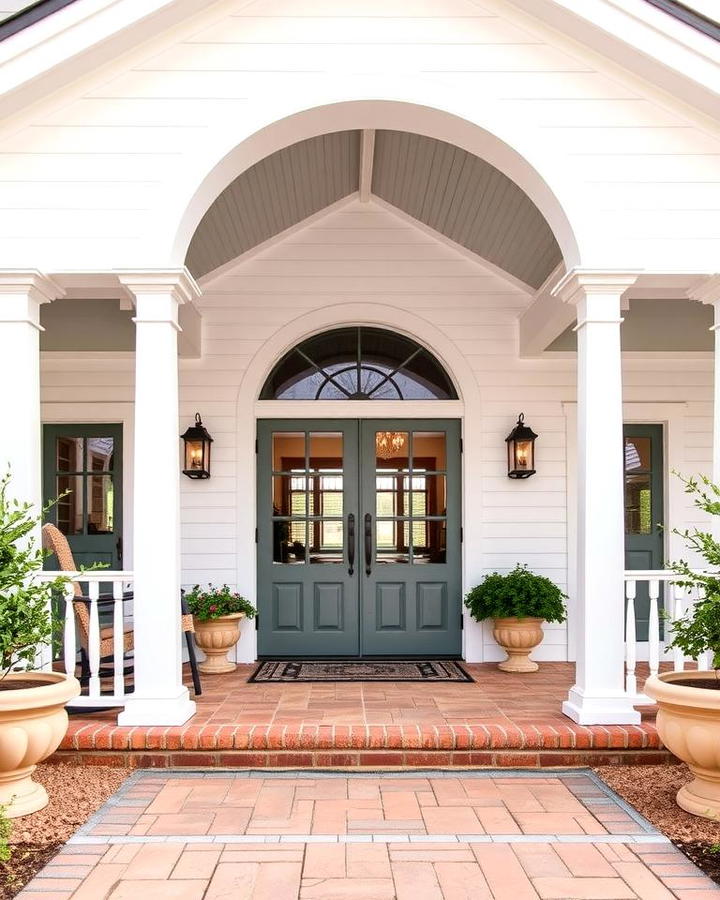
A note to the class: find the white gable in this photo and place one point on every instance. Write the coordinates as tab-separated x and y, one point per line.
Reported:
115	169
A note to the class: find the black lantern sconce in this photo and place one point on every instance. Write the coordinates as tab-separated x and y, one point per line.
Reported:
521	450
197	450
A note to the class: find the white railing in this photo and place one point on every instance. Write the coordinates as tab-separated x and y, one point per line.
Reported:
676	601
99	691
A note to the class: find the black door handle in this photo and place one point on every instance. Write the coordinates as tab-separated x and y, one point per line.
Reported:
368	543
119	548
351	543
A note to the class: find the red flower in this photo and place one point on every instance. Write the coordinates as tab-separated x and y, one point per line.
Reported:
213	607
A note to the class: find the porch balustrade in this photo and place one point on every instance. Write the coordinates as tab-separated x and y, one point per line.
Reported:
97	692
669	601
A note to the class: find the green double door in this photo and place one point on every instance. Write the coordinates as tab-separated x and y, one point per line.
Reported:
359	538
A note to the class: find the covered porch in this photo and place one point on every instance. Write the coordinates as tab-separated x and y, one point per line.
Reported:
212	343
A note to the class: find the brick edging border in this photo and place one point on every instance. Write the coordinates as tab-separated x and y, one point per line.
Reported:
500	758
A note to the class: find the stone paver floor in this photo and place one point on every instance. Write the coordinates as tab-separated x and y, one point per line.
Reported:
420	835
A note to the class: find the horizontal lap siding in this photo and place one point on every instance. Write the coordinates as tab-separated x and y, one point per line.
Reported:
243	310
97	166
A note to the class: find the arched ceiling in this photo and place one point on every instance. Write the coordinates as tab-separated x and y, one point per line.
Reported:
448	189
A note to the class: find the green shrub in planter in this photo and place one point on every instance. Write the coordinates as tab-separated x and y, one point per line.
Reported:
699	629
520	594
517	602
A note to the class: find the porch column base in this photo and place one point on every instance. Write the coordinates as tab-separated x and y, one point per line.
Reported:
158	710
586	710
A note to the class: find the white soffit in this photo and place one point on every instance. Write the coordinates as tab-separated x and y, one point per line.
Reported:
274	194
451	191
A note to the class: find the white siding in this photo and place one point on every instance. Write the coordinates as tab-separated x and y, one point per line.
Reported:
109	164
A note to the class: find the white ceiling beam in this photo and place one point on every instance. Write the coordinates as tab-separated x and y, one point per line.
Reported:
367	157
545	319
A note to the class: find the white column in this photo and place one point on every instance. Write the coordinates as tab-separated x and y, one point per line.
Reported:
159	697
21	296
708	291
598	695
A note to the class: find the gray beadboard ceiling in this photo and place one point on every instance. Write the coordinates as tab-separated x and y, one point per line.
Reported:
448	189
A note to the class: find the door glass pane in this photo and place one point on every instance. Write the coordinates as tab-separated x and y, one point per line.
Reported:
429	541
638	456
326	451
392	495
289	541
429	450
392	540
69	454
428	495
100	501
288	451
327	541
326	494
392	449
69	509
638	505
100	454
289	495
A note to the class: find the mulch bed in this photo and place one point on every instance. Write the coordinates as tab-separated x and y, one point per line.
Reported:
651	790
76	792
26	860
705	856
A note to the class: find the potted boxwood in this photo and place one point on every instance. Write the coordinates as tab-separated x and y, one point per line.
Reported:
33	719
217	613
518	603
688	718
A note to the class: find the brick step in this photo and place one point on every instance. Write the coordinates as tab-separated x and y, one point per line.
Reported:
361	745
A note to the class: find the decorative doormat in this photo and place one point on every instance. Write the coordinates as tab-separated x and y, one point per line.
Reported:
434	670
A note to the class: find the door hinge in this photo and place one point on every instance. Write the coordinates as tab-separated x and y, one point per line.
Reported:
257	445
257	619
462	621
461	534
461	445
256	535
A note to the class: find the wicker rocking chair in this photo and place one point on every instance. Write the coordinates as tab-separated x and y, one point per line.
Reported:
56	542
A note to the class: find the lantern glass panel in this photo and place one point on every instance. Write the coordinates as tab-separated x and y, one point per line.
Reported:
523	455
195	456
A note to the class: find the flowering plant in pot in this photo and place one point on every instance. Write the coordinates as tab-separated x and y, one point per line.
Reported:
33	719
217	613
688	718
518	603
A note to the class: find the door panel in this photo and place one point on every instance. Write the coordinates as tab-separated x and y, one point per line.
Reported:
308	596
644	511
411	572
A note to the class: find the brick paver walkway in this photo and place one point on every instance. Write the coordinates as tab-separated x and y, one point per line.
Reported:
440	835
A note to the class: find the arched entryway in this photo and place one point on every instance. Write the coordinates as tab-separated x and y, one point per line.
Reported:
359	520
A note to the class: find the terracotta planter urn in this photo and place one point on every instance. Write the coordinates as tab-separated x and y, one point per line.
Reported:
518	637
33	721
688	721
215	637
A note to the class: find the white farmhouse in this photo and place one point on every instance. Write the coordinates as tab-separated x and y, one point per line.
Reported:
360	238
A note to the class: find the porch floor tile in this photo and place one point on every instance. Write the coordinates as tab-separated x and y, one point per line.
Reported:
499	719
354	842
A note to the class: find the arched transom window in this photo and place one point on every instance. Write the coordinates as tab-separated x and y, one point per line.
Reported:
358	364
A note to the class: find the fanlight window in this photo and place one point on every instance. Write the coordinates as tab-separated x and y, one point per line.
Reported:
358	364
